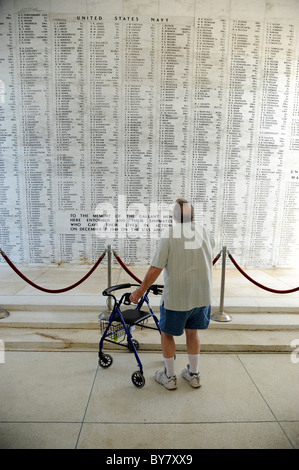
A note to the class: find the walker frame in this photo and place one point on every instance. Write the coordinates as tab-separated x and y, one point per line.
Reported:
121	323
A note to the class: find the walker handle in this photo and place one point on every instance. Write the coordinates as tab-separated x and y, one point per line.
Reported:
127	298
156	289
108	290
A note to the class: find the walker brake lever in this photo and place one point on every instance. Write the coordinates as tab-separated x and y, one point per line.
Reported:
127	298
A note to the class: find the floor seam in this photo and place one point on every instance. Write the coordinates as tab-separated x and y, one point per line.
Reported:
262	396
89	397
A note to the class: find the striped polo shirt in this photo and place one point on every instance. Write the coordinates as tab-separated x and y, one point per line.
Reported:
185	252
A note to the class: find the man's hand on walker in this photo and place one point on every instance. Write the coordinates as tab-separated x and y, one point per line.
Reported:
135	296
149	279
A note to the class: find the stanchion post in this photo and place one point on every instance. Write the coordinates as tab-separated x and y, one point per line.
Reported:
109	273
3	313
104	315
221	315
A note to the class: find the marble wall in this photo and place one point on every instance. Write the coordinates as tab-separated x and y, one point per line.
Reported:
110	110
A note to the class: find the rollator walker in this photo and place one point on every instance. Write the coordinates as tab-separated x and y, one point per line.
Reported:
121	322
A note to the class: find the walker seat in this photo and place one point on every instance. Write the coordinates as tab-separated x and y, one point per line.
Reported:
133	316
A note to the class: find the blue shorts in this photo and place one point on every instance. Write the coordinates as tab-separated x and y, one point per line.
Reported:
173	322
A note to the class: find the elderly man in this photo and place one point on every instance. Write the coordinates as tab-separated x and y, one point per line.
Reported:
185	252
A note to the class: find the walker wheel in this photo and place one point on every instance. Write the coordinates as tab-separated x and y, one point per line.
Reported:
136	344
105	360
138	379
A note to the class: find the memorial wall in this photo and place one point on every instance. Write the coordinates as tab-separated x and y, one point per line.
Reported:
110	110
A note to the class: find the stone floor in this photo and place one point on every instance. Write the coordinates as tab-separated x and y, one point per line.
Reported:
61	398
64	400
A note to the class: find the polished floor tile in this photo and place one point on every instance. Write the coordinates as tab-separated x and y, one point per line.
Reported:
183	436
227	393
40	386
277	379
39	435
291	429
64	400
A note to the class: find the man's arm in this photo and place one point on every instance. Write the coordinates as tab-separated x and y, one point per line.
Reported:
150	277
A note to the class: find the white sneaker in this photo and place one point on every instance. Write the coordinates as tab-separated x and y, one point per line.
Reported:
193	379
168	382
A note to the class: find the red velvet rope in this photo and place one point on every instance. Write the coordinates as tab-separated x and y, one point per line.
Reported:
217	258
275	291
126	268
52	291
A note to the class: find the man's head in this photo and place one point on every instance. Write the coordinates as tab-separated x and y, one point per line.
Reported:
183	211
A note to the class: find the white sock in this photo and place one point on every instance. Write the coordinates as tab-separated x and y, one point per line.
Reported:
193	363
169	365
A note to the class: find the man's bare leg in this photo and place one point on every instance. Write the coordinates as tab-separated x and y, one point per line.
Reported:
193	349
168	351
